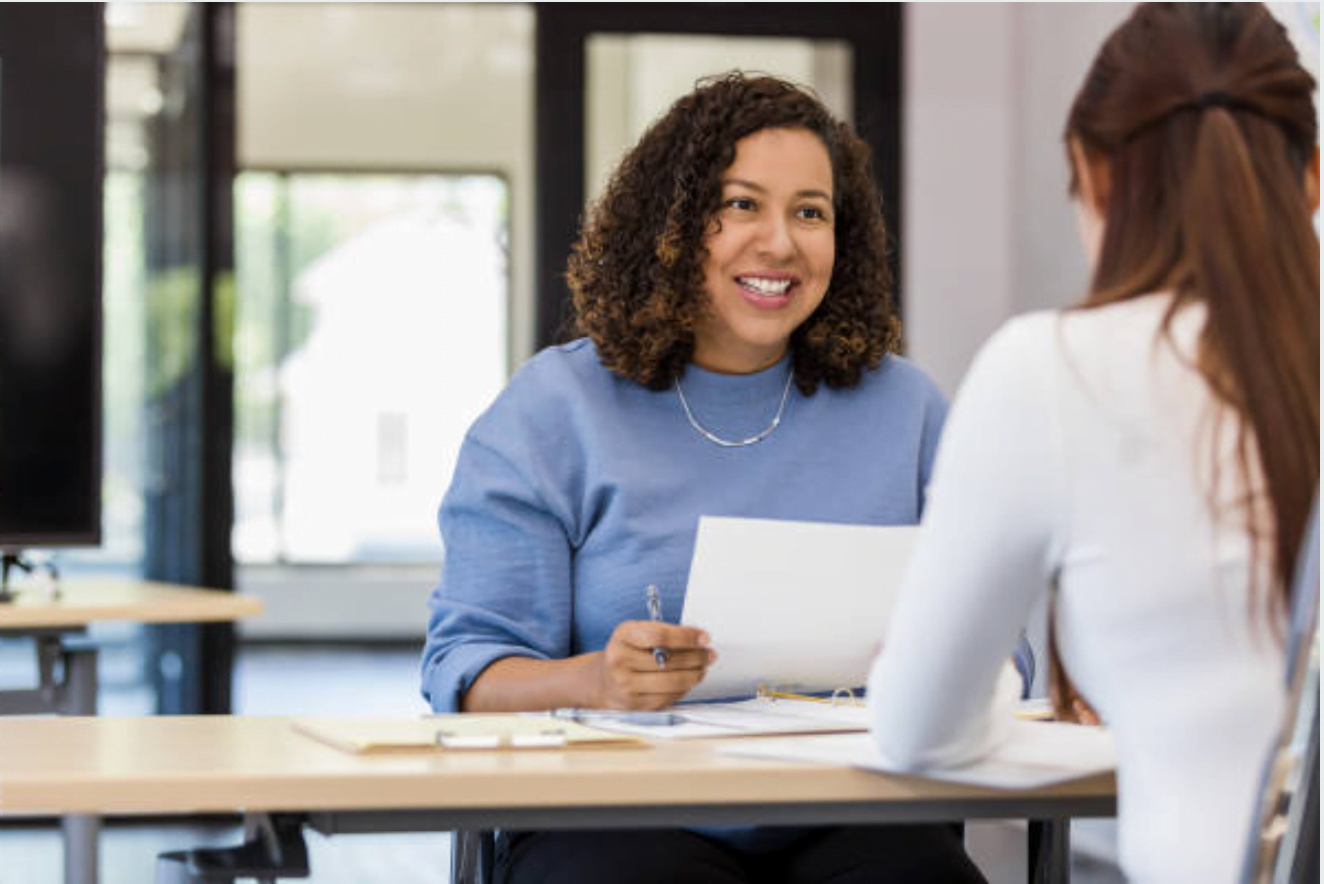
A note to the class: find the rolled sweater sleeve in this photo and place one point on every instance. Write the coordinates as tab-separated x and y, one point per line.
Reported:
938	691
506	579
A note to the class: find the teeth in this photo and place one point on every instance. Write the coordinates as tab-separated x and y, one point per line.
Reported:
765	286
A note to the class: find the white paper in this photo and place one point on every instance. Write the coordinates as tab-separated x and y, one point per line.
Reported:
747	718
758	716
799	606
771	715
1036	754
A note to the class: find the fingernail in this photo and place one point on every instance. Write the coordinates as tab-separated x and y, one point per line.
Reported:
704	641
712	657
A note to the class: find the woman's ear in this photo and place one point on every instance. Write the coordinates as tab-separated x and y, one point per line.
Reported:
1091	204
1093	178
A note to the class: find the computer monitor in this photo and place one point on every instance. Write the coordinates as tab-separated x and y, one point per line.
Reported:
51	169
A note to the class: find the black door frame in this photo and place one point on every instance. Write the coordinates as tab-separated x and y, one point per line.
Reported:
872	30
190	510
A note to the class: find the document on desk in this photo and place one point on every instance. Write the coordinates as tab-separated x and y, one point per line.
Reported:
456	731
755	716
798	606
1036	754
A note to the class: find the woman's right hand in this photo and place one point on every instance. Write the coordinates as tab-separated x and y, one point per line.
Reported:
628	676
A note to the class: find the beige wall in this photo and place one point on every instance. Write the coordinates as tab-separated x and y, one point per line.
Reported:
988	230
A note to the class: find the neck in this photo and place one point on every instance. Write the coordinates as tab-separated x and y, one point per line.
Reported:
727	362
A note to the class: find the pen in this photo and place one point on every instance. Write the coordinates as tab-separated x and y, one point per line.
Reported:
619	716
655	614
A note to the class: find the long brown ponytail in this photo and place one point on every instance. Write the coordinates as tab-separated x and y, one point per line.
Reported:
1206	122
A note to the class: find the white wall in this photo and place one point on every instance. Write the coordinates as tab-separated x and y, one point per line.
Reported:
987	230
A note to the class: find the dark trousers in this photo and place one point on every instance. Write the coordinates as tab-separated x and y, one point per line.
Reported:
917	854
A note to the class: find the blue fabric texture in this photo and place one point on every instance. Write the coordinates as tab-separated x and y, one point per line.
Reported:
577	488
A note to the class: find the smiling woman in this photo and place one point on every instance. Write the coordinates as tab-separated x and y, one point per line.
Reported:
770	250
655	239
738	359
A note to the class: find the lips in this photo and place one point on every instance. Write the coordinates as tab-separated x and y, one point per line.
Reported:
767	290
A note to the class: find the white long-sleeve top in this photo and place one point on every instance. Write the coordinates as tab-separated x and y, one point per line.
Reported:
1078	452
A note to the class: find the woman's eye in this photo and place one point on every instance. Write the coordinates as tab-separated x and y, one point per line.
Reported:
812	213
743	203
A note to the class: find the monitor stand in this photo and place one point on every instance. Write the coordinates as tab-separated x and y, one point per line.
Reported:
11	559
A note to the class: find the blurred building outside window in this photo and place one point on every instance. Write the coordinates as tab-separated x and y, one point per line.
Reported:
370	321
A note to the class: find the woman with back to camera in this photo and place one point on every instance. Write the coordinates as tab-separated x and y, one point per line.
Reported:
1153	454
737	358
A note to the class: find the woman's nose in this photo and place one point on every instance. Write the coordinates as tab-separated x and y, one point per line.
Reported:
775	238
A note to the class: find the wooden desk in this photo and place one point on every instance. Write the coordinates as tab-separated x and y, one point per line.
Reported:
180	765
52	621
67	675
91	601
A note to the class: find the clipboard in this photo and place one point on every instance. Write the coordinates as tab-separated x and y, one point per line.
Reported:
462	732
771	711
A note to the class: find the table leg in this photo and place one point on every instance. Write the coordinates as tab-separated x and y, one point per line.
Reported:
80	848
1050	850
80	830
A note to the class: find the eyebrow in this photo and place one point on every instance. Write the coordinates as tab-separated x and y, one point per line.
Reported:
760	189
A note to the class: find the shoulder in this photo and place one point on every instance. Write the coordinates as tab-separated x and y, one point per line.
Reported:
1014	374
1085	341
555	376
897	380
548	393
1121	332
905	375
1019	347
897	402
576	362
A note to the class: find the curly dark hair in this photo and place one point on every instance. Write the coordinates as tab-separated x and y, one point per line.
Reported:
636	271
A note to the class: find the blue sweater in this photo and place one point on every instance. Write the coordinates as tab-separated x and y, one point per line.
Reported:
576	489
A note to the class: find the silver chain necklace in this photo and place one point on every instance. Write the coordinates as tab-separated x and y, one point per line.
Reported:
741	443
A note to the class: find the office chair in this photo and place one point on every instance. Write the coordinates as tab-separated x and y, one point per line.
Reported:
274	850
472	856
1284	838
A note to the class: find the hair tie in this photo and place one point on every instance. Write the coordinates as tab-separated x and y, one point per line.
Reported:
1213	98
1203	101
